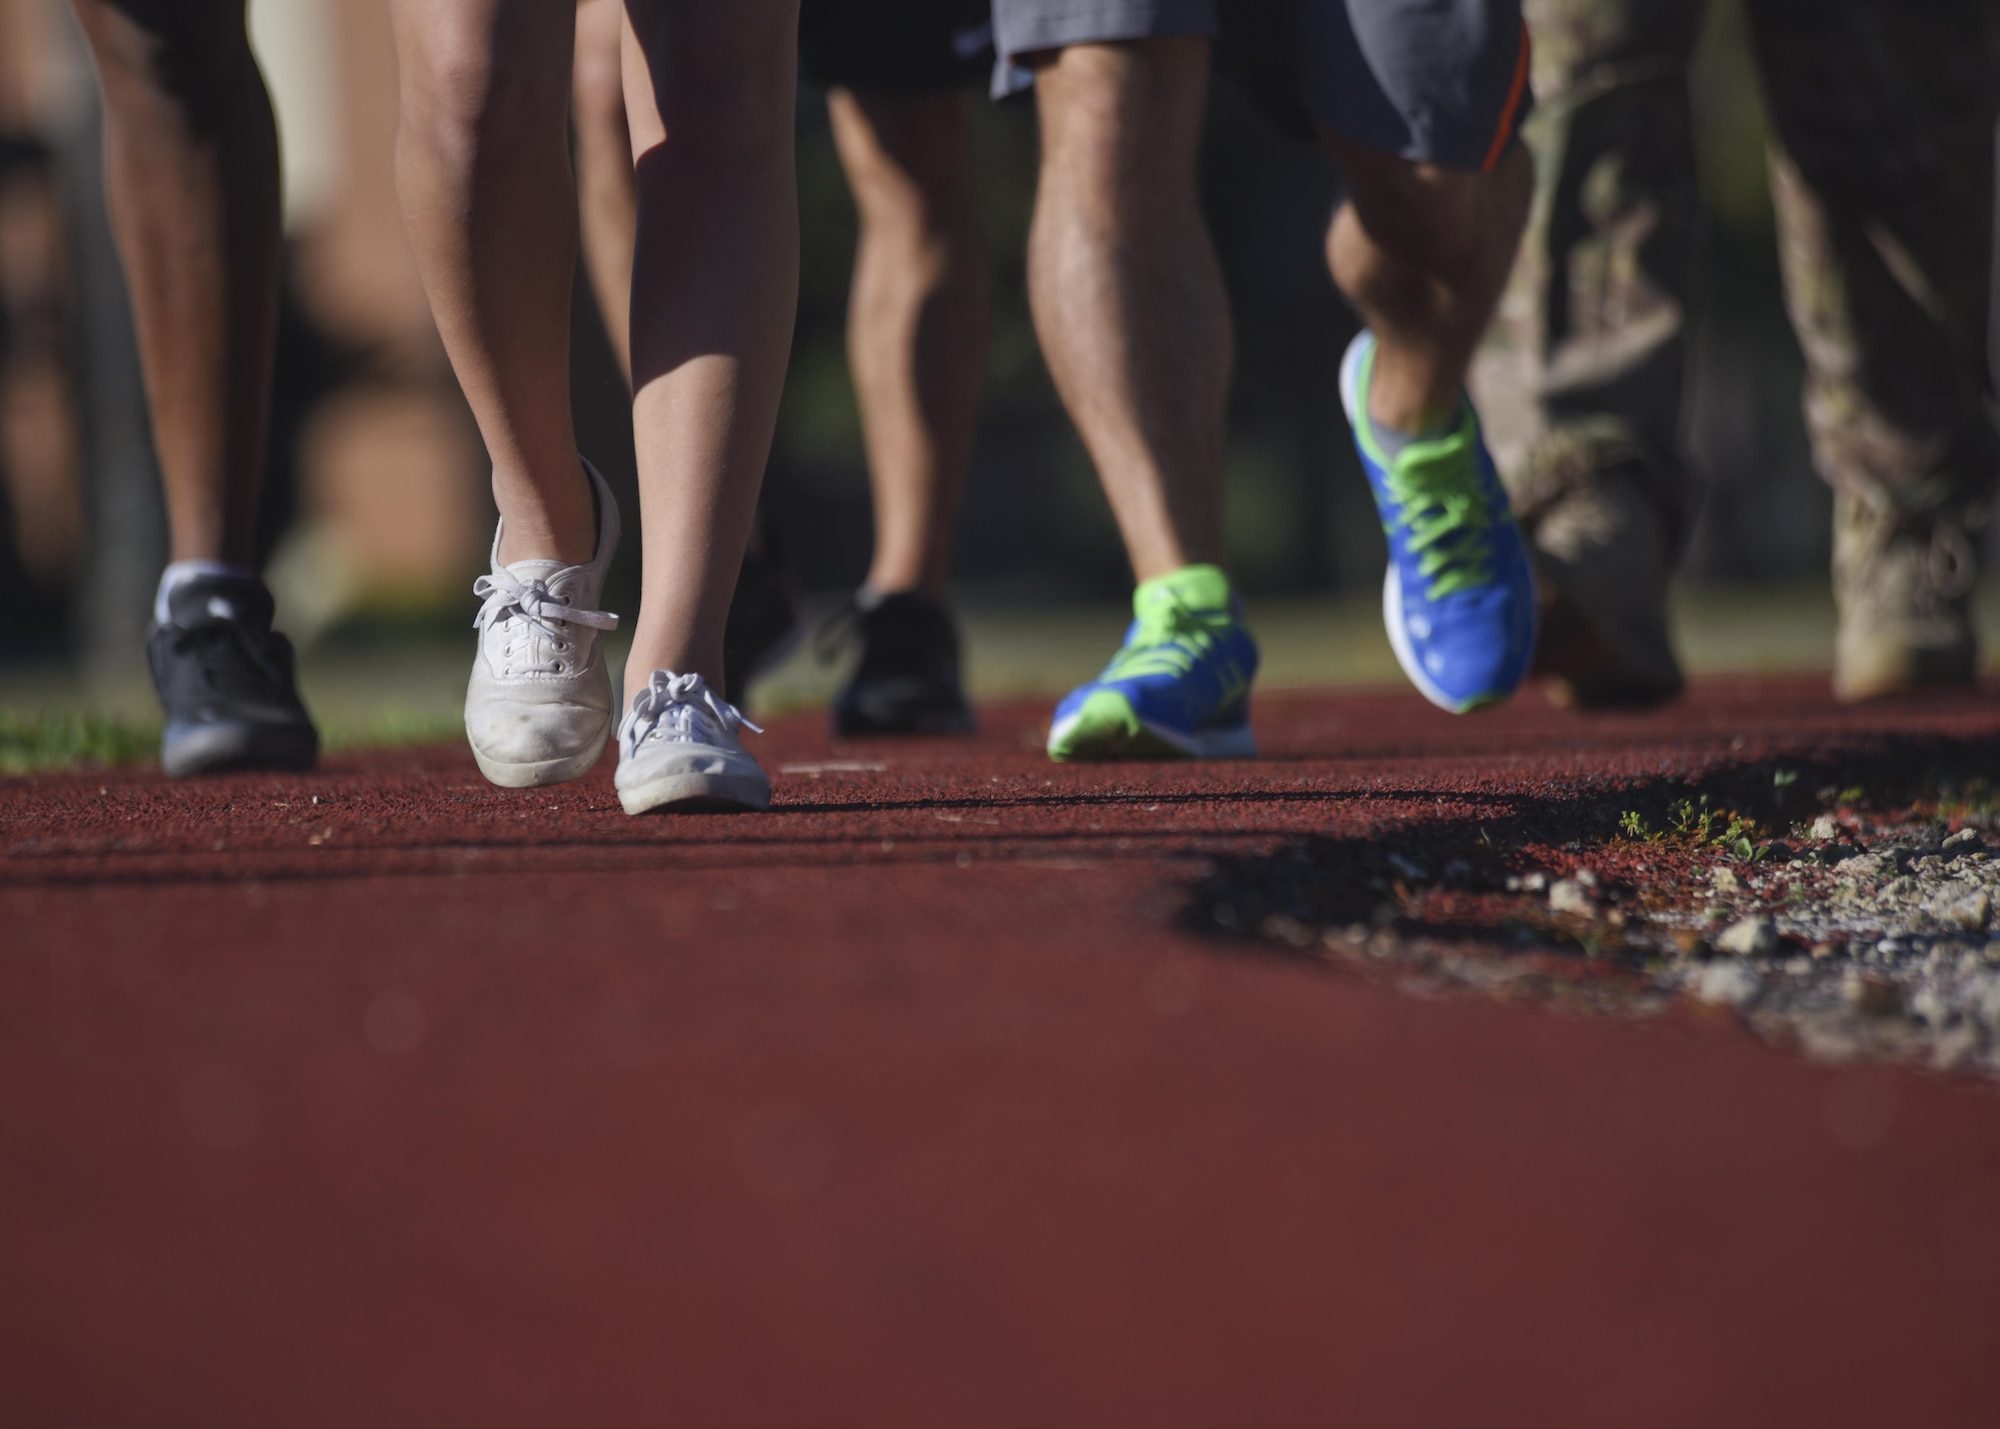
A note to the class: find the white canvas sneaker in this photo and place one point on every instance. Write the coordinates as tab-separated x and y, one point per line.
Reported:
678	751
539	707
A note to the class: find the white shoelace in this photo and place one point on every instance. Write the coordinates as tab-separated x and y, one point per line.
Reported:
680	708
508	599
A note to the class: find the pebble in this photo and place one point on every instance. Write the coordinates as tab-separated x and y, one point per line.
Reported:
1566	895
1964	905
1724	879
1749	938
1728	984
1984	1001
1963	840
1871	995
1955	1048
1825	828
1932	1006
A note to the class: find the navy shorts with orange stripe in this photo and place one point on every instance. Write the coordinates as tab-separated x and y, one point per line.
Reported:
1435	81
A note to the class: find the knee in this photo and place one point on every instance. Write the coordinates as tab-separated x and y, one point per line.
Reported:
1415	209
463	93
1446	222
1121	126
599	84
725	89
909	163
193	58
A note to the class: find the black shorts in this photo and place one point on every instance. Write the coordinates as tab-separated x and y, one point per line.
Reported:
897	46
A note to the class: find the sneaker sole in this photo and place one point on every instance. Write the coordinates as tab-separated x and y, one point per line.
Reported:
544	771
1107	727
219	748
698	794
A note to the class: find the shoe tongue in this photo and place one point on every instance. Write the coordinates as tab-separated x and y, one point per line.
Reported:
1202	589
544	571
1447	455
203	600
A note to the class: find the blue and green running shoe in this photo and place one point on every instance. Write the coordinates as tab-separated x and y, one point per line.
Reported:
1180	687
1459	596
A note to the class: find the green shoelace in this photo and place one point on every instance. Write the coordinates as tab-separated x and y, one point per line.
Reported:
1170	640
1437	491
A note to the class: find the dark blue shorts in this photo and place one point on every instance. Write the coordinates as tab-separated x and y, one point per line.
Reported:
1436	81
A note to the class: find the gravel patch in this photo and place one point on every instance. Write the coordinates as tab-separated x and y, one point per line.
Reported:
1865	939
1851	935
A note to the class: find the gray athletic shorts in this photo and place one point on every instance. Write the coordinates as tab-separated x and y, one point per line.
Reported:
1436	81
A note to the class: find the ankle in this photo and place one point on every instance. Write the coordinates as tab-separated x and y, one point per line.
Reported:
534	528
639	675
182	571
1198	587
1409	394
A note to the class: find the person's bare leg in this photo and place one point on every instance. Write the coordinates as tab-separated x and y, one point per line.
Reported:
1127	296
919	319
709	86
482	163
1423	253
191	169
607	193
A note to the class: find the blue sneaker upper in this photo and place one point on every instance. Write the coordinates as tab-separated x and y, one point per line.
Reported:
1459	597
1179	685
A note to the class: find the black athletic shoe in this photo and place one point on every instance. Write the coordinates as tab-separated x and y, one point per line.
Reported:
226	679
762	624
908	679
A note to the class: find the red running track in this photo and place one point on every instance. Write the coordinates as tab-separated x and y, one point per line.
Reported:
915	1102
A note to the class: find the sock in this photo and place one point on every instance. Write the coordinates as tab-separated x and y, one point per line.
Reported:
181	572
1195	587
1392	441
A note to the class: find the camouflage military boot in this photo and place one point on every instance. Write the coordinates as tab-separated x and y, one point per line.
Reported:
1604	552
1903	585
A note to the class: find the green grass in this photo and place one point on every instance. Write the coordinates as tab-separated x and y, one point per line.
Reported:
392	727
61	740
